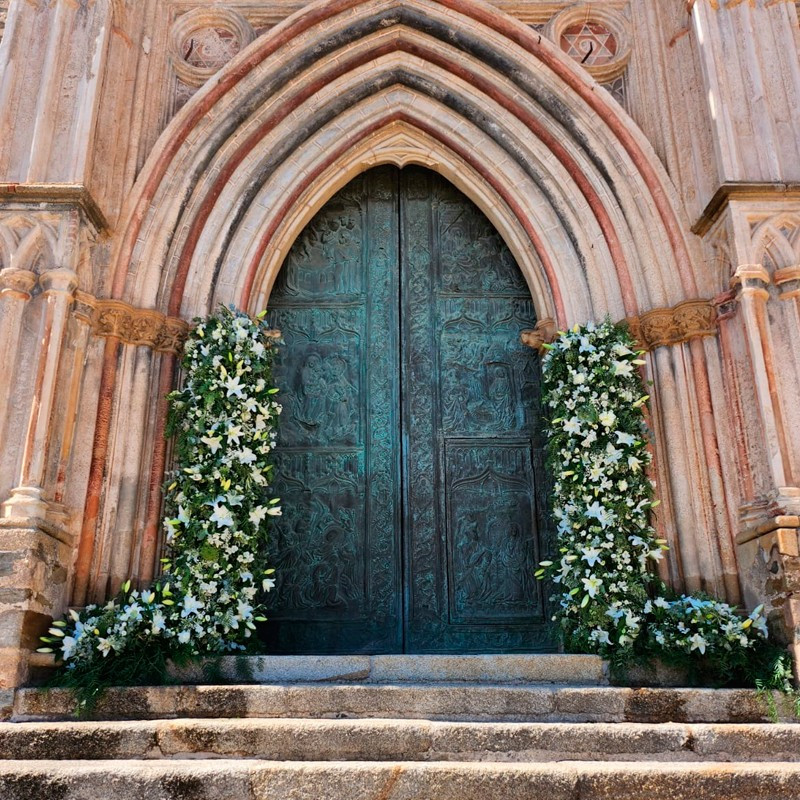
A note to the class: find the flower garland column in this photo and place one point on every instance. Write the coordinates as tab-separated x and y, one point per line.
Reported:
608	599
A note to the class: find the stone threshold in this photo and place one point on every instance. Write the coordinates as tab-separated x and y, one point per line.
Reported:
432	701
577	670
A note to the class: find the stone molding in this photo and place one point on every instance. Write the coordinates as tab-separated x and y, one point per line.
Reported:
788	282
139	327
742	190
56	193
660	327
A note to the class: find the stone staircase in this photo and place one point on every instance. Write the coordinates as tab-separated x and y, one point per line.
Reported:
401	728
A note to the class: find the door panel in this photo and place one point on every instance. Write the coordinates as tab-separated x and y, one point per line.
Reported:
336	548
408	460
470	404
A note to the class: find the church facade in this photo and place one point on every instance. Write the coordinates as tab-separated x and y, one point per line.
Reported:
421	192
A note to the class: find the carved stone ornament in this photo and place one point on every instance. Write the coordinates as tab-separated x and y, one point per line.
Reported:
597	38
19	282
134	326
658	328
543	333
669	326
202	41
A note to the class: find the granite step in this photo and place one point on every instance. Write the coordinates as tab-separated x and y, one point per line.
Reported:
432	701
398	740
575	670
270	780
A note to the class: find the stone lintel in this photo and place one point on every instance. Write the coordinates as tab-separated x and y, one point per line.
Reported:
75	194
742	190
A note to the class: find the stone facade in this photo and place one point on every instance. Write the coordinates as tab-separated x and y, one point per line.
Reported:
158	157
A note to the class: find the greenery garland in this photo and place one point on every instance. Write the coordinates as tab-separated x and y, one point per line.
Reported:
609	602
218	506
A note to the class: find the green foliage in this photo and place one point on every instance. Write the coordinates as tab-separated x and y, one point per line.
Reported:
609	601
218	505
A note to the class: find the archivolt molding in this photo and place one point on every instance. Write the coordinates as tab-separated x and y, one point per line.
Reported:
661	327
132	326
276	115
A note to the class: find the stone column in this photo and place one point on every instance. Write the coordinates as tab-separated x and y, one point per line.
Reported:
750	283
16	286
26	499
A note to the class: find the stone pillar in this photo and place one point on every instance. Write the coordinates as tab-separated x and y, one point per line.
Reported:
16	286
750	283
26	499
34	554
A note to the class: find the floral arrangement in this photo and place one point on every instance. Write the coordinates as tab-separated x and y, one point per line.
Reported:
217	510
609	601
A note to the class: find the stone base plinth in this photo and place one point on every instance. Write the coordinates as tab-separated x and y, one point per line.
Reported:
33	576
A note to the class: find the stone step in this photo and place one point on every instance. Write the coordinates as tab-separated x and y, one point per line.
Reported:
465	702
270	780
576	670
398	740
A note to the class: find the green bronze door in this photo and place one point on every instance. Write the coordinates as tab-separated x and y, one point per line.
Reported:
409	465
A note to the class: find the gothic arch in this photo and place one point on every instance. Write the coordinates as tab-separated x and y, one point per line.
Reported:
457	86
776	242
553	161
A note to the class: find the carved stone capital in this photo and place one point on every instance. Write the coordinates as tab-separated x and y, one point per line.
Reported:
139	327
788	282
662	327
695	318
62	280
751	279
19	282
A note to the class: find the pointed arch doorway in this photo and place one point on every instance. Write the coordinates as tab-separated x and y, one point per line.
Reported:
409	463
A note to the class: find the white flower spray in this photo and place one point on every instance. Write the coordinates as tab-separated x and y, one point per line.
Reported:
608	601
218	505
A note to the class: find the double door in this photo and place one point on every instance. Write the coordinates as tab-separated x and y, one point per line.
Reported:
409	459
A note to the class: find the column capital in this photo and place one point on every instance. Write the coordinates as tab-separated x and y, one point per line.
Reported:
788	282
751	279
60	280
17	281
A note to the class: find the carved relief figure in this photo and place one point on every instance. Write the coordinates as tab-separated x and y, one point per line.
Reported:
313	393
500	394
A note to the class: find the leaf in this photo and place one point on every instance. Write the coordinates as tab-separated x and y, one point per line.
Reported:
209	553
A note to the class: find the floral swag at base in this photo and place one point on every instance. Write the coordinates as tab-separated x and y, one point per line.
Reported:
224	422
608	601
